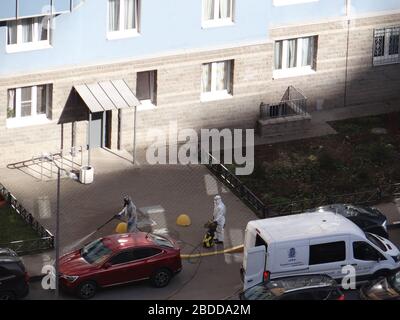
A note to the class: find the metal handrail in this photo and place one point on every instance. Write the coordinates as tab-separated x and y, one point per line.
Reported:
59	156
237	186
292	103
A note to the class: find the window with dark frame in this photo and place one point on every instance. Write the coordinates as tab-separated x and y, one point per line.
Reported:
146	86
365	252
327	252
386	46
260	242
123	257
143	253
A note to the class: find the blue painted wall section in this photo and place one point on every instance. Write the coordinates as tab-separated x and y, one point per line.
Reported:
29	8
8	8
368	6
167	26
80	37
306	12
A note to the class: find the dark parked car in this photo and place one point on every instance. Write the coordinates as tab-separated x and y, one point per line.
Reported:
119	259
369	219
14	280
384	288
310	287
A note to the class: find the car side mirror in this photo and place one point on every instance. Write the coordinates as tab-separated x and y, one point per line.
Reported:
107	265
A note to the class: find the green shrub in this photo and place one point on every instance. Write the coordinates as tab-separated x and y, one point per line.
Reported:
326	161
363	177
377	152
259	171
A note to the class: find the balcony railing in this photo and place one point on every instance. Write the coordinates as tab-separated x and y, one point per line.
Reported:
293	103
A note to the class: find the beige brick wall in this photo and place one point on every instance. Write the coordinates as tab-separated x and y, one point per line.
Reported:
179	84
365	83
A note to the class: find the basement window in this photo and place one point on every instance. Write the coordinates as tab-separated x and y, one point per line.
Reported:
146	89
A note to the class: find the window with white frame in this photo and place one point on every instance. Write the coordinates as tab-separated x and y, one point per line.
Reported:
295	56
217	12
217	78
29	105
146	87
28	34
123	18
386	45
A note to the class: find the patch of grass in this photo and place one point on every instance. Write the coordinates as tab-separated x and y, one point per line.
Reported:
359	125
13	227
353	160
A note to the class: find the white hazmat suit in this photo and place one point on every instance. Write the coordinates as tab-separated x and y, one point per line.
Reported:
219	218
129	211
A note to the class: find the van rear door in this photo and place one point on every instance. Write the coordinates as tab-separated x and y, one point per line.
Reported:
254	266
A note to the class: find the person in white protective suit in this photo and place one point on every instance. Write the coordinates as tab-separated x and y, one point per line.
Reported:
129	211
219	218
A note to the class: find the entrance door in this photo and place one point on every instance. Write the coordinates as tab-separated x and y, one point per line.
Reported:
107	130
96	130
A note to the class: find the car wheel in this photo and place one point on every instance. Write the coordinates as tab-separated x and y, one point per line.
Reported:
7	295
87	290
161	278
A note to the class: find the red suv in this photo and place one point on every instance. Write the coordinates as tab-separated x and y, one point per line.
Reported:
119	259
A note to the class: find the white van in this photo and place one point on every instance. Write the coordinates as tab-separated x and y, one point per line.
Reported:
313	243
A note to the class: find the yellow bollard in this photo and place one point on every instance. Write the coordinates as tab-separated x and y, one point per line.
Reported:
183	220
122	227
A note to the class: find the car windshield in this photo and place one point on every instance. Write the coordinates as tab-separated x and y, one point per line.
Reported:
395	281
95	252
376	241
262	292
161	241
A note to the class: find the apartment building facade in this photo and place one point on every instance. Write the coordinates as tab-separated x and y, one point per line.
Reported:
101	73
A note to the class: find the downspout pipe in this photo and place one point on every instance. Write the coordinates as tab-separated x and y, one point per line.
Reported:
348	20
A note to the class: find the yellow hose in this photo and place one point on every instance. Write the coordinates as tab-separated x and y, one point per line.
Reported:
213	253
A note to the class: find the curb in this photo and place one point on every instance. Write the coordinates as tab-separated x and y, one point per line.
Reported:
236	249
